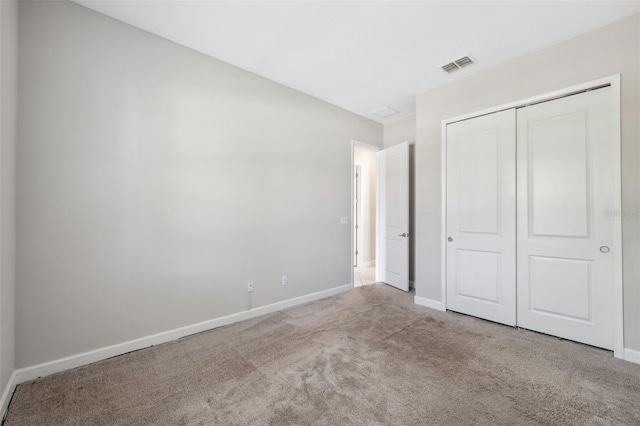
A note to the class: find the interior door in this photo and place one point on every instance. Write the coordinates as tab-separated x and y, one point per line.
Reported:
481	222
565	186
393	214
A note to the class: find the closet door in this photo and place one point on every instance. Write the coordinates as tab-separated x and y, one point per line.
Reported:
481	224
565	186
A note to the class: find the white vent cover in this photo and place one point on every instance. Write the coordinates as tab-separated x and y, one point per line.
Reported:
384	112
458	63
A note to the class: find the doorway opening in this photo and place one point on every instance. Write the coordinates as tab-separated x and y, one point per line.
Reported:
364	214
381	214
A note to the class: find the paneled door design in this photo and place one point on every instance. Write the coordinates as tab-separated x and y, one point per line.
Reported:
565	188
393	215
481	217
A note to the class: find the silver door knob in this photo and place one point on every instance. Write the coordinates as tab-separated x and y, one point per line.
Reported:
604	249
449	239
404	234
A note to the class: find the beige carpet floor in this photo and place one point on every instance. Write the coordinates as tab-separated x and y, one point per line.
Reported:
368	357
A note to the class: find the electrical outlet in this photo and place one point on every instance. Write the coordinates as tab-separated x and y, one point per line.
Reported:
250	287
285	280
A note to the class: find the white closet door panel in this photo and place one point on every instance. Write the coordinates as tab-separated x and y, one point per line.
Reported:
478	158
558	173
565	186
481	217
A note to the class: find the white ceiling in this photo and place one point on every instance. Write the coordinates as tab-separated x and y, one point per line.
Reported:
365	55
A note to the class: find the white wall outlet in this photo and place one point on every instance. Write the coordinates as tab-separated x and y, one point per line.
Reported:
250	287
285	280
344	220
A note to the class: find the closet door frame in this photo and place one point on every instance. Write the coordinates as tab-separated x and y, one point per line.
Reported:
612	81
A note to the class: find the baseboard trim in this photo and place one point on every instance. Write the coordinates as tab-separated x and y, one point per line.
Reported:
367	264
7	394
429	303
631	355
30	373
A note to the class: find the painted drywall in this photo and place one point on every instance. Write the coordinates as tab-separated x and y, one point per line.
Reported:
404	130
8	139
614	49
367	160
154	182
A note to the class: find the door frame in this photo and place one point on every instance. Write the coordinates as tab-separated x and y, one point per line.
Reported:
614	82
374	148
357	212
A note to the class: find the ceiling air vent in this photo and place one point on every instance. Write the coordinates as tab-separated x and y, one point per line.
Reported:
458	63
384	112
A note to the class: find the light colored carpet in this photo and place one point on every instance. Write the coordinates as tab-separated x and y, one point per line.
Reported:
369	356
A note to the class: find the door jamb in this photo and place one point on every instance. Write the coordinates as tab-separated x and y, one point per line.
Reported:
357	213
614	82
376	149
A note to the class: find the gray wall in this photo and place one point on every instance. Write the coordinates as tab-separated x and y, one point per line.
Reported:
8	139
154	182
403	130
610	50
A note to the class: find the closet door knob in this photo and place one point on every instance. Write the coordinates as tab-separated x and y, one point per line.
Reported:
449	239
604	249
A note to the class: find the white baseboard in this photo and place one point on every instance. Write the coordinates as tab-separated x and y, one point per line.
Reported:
30	373
367	264
429	303
631	356
7	394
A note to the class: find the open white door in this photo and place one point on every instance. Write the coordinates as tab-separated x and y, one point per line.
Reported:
393	216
